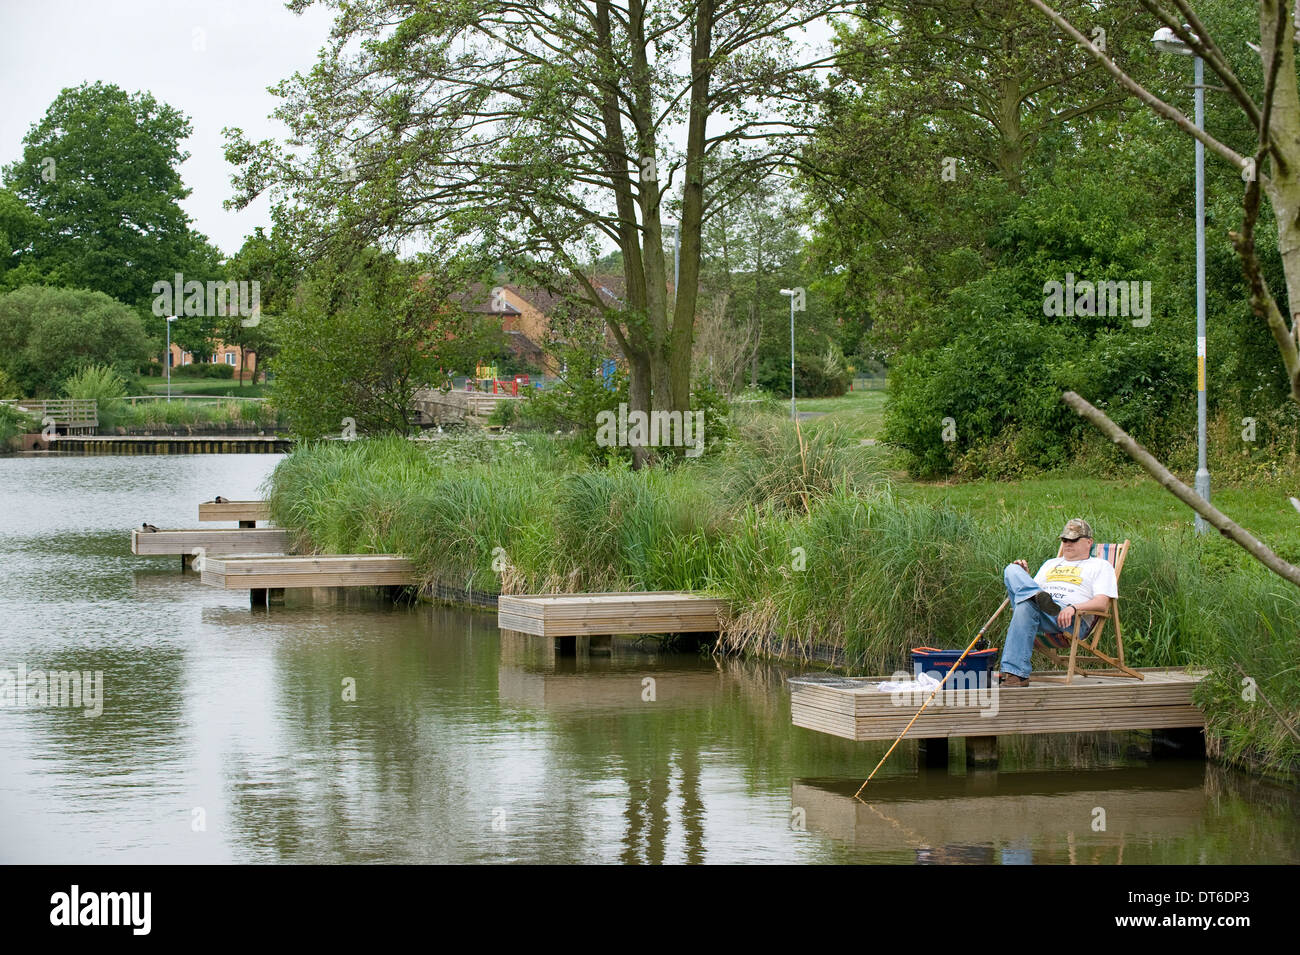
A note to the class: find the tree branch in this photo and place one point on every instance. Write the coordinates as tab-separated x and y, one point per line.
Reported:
1224	524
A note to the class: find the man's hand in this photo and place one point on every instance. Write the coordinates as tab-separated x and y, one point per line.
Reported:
1064	618
1022	565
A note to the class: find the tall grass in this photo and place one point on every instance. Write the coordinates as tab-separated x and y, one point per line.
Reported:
861	571
192	414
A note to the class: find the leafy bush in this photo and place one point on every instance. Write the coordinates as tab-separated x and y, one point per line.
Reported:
47	334
102	384
204	369
816	376
364	333
986	402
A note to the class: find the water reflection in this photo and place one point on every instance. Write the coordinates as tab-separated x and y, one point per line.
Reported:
1162	812
340	727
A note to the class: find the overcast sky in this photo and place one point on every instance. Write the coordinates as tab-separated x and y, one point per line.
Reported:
210	59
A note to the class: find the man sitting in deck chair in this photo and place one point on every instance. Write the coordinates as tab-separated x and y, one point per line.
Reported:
1049	600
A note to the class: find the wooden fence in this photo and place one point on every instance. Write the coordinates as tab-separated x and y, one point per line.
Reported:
70	415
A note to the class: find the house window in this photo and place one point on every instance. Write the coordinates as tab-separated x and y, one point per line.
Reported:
230	358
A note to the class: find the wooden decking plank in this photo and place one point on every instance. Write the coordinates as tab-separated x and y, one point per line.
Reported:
234	511
562	615
341	570
214	541
855	709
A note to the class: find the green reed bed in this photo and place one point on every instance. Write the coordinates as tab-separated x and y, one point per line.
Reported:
858	568
182	413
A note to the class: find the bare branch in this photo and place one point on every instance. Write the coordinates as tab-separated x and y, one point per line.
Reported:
1224	524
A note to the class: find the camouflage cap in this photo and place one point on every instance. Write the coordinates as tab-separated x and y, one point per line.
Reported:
1075	529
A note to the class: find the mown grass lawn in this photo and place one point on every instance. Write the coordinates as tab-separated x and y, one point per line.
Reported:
1132	506
859	413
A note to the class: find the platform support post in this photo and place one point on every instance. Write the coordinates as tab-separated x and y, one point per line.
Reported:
981	751
933	753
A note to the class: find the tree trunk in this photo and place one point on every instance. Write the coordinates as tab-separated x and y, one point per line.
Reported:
638	395
1283	183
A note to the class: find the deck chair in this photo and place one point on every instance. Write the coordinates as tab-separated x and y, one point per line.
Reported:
1051	643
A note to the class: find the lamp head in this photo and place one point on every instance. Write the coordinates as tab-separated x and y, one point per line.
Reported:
1166	41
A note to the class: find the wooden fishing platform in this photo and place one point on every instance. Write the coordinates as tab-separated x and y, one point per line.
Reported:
247	513
633	612
856	709
330	570
215	541
259	575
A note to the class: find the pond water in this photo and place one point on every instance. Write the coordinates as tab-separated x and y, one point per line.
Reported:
229	734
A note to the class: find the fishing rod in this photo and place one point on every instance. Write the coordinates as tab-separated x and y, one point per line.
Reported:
950	672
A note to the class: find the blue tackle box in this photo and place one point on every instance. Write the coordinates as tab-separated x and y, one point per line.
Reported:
975	670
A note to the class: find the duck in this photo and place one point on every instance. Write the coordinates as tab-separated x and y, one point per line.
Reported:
148	527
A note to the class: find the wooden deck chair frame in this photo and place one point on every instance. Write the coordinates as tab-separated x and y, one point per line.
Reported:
1116	554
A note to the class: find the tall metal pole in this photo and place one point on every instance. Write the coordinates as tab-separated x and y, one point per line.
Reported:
1202	464
168	323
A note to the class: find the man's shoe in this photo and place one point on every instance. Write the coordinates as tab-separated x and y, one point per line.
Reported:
1010	679
1044	602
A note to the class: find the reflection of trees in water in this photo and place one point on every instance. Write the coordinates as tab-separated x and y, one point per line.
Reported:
1165	813
414	769
645	836
142	726
1074	750
383	777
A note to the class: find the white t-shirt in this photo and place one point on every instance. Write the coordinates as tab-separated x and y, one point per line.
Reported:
1075	581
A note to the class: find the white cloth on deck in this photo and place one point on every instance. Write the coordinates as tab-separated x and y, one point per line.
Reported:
922	682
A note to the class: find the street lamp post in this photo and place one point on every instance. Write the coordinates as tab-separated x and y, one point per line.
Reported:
1166	41
794	415
170	319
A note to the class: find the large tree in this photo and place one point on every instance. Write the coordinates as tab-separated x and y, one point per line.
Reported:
940	113
545	129
101	173
1272	110
752	248
364	331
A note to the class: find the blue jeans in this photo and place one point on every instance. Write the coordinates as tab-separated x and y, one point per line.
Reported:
1026	621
